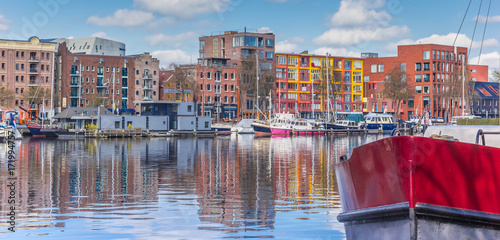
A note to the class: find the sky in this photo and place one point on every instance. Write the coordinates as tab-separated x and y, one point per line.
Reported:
169	29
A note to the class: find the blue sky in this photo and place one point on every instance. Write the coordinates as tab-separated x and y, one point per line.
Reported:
169	29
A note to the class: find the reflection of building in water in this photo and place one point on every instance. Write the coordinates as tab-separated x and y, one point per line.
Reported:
91	175
235	186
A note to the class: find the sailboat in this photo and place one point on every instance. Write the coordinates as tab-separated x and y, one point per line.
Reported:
39	130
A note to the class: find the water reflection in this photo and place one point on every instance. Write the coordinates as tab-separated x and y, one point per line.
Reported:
228	187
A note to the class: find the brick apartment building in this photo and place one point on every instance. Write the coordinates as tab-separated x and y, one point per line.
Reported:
26	68
228	53
301	84
178	86
147	79
92	80
431	68
478	73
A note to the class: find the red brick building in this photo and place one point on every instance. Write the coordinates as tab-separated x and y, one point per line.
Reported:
26	65
430	68
147	81
178	86
226	54
478	73
92	80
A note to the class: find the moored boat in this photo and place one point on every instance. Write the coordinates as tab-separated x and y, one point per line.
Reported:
244	127
377	121
413	187
39	131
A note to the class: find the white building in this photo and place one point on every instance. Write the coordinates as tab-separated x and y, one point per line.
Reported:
94	46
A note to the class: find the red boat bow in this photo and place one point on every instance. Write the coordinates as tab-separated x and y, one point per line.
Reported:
421	170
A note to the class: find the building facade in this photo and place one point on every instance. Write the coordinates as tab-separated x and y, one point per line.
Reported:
178	84
26	70
432	70
93	80
147	81
239	52
484	101
93	46
478	73
302	85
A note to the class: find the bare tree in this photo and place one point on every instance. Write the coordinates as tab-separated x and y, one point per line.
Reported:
182	81
248	80
495	76
97	100
397	88
6	95
36	95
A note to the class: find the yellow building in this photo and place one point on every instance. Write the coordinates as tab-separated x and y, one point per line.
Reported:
302	84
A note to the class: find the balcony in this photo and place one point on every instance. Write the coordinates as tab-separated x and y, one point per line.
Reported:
74	95
147	87
33	83
33	71
100	85
147	97
147	76
33	60
75	73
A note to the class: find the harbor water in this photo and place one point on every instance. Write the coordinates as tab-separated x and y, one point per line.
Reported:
236	186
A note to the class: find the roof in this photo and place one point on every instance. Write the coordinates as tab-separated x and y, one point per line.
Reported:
486	90
80	112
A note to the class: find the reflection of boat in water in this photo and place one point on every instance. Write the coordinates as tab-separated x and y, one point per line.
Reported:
422	188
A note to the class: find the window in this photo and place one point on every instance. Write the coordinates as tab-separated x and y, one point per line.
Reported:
208	75
374	68
225	76
418	89
3	53
426	89
381	68
427	66
418	78
202	45
261	54
347	76
347	65
357	64
418	66
402	67
137	93
117	124
232	76
347	98
426	55
3	65
269	42
281	60
347	88
410	103
427	77
292	60
209	87
292	73
269	55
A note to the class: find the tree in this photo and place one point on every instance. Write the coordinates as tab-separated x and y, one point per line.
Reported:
248	81
35	96
6	95
97	100
495	76
397	88
182	82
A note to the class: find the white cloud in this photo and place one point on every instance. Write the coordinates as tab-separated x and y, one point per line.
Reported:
341	52
71	37
353	36
176	56
175	40
482	19
286	46
264	30
356	13
184	9
462	41
162	22
123	18
4	23
361	21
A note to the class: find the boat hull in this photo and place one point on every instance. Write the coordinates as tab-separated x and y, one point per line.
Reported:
378	126
457	179
281	131
38	131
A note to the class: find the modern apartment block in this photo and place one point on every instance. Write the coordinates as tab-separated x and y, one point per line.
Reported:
26	69
84	80
238	53
147	81
430	68
302	86
93	46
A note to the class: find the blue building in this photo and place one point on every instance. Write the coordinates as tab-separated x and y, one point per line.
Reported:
181	115
484	101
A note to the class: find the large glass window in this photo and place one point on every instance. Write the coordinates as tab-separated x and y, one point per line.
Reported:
292	60
269	42
402	67
281	60
418	89
418	78
381	68
427	66
418	66
269	55
347	76
374	68
202	45
347	65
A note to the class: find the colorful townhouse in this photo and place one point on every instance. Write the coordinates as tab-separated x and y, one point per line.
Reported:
313	85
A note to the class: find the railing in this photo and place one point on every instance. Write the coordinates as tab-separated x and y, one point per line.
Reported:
33	60
33	83
147	76
33	71
147	87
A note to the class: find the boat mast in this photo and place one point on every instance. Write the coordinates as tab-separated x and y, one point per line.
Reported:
327	89
463	85
257	82
52	88
312	98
